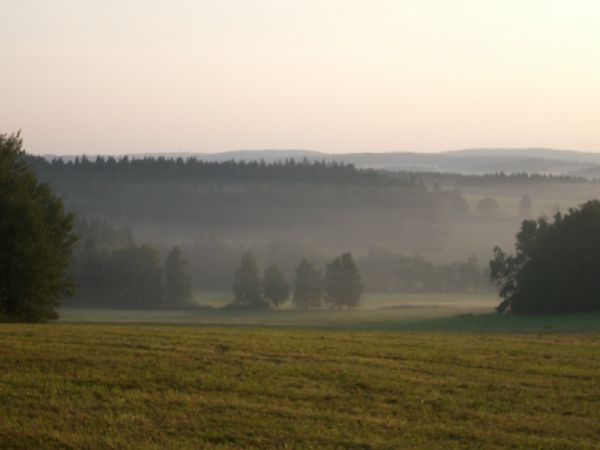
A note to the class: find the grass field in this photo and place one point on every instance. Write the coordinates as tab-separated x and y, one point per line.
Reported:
143	386
375	311
419	312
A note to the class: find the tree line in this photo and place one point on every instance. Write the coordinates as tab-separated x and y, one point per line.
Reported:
340	286
111	270
385	271
161	169
497	179
211	261
170	201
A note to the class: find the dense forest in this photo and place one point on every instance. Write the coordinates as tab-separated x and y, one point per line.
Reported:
331	205
192	170
542	186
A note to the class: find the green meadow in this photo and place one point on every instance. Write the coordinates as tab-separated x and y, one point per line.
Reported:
417	312
376	310
464	380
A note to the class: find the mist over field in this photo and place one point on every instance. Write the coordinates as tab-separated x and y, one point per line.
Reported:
284	210
287	224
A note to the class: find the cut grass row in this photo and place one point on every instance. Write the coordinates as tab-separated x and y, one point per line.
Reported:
98	386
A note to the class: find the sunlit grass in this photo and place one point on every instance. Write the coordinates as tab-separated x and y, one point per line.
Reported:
116	386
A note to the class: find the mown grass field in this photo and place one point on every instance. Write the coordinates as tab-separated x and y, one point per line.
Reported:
375	311
141	386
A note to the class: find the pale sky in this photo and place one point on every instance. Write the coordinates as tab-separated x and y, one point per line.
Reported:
129	76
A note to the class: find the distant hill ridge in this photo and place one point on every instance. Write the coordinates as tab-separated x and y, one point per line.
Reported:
467	161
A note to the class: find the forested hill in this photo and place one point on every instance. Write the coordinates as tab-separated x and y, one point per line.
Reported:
326	204
466	162
192	170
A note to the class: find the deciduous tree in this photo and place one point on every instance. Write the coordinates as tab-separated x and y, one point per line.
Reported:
555	267
36	241
308	285
178	291
343	283
275	286
247	288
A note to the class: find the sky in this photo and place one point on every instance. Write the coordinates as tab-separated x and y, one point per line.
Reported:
134	76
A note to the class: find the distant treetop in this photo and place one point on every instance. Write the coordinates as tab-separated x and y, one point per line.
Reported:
160	169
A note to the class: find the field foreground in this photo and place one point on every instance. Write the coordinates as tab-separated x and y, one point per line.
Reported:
124	386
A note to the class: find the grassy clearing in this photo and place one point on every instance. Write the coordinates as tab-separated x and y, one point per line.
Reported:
117	386
374	301
419	312
376	311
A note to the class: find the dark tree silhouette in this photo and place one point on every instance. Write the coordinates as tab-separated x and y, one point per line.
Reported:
247	288
308	286
343	283
275	286
556	265
36	241
178	291
111	270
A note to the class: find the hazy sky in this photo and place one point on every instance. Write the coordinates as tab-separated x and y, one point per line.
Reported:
117	76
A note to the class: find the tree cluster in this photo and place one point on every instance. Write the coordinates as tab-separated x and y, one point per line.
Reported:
340	286
386	271
111	270
556	265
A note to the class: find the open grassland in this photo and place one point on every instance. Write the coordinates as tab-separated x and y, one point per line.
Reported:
374	301
417	312
376	311
140	386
